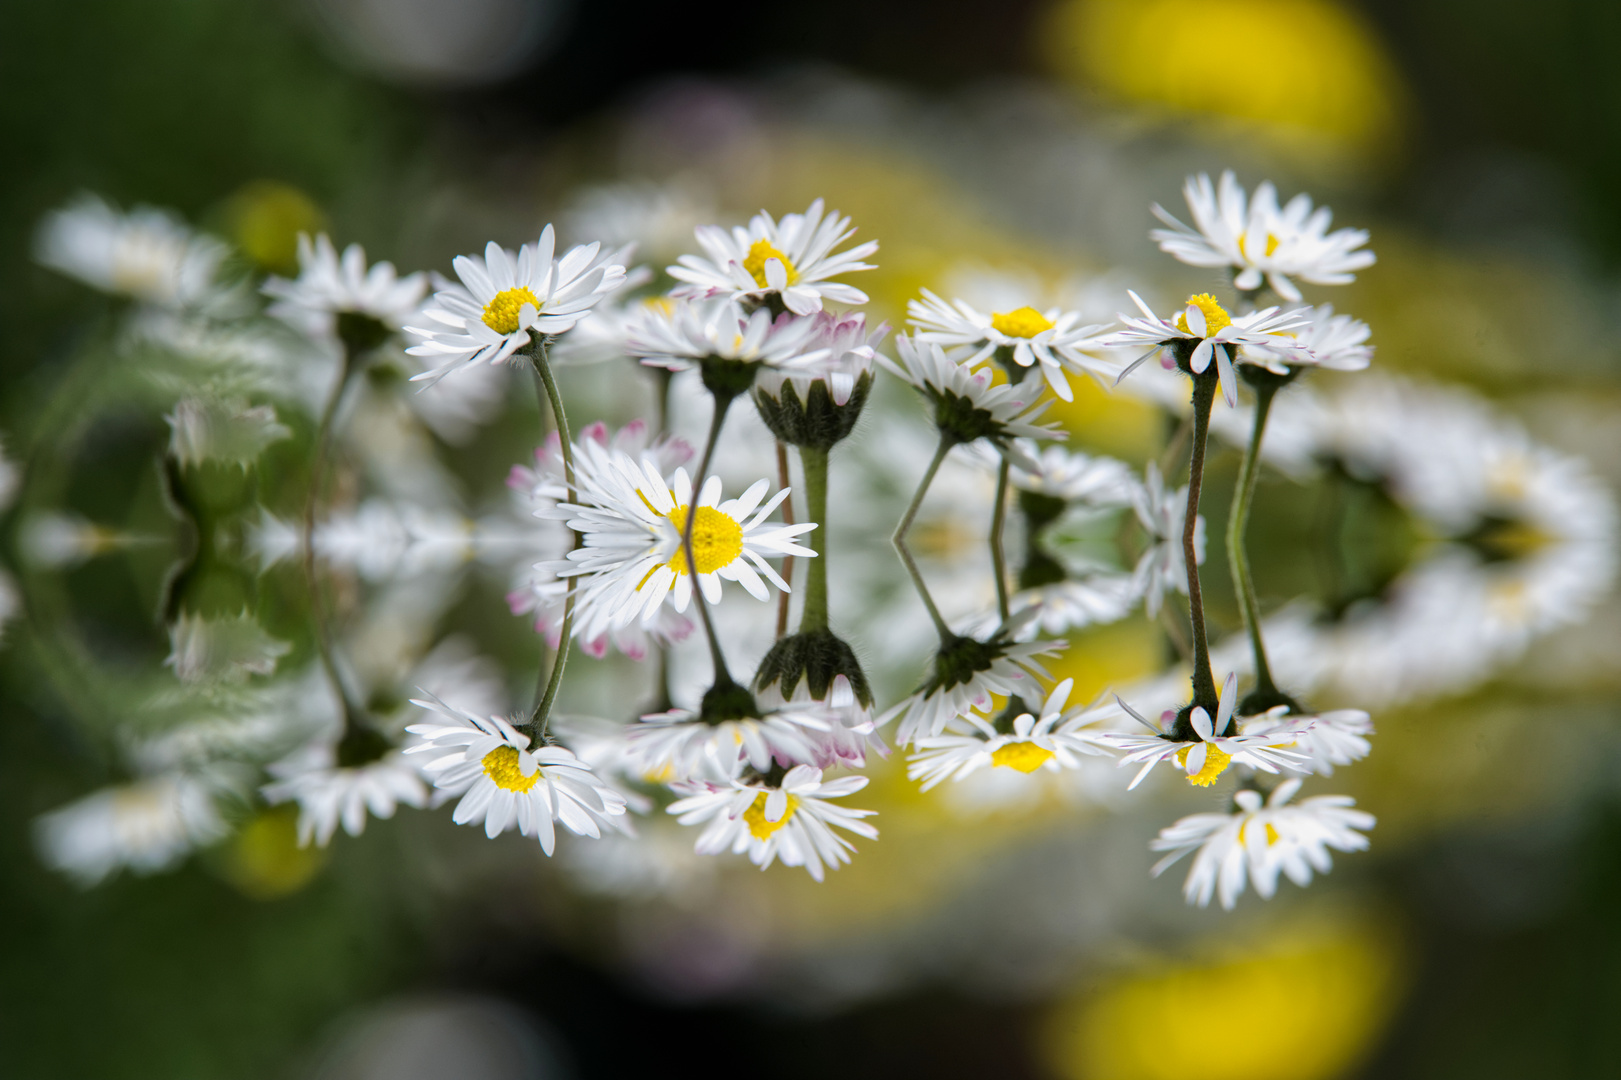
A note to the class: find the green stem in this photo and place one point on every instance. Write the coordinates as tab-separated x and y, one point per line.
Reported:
723	402
998	558
1238	560
542	367
814	463
899	539
1204	684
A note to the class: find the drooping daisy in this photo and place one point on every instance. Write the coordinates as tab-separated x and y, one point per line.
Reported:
1258	240
793	821
687	334
840	725
1206	756
147	825
1203	330
502	300
1161	567
1327	739
503	783
329	793
148	254
632	524
683	745
1053	740
967	671
966	405
329	287
1334	342
791	259
1053	339
1255	841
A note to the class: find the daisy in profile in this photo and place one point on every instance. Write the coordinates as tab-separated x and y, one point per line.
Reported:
146	825
967	671
693	333
1339	737
841	359
966	405
1054	339
1053	740
1161	567
783	265
503	783
1075	477
329	287
632	523
683	744
1330	341
792	820
1205	756
503	301
1256	840
146	254
1259	241
330	791
1203	330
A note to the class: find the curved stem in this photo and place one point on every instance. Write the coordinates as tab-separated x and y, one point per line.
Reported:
543	708
788	519
1238	559
1204	684
899	539
723	402
813	616
998	558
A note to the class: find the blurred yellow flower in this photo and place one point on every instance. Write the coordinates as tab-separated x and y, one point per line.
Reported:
1296	67
264	860
265	218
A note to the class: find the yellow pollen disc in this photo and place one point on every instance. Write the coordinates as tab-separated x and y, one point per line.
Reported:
1027	757
1026	322
755	263
1215	763
759	827
1215	318
501	765
716	539
1272	243
501	314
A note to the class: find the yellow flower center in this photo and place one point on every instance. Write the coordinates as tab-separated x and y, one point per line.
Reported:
501	314
1272	243
717	539
759	827
501	765
761	251
1027	757
1271	833
1215	763
1215	318
1026	322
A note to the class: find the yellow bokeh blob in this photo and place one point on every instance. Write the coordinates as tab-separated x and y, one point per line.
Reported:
265	218
1298	67
263	860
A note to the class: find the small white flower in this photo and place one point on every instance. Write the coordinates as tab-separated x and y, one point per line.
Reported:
1327	739
146	825
329	285
793	822
1217	333
147	254
792	258
502	298
329	794
681	745
967	671
1090	480
1258	240
966	405
1053	339
503	783
1054	610
1161	566
841	352
1334	342
1256	841
1053	740
1207	756
681	335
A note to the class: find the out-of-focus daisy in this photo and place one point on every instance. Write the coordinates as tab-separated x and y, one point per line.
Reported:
503	783
1053	339
966	405
329	792
1334	342
1052	740
791	259
687	334
793	821
1259	240
502	300
967	671
1255	841
226	430
147	254
146	825
1161	567
1073	476
1206	756
1203	329
1094	600
1327	739
658	218
329	287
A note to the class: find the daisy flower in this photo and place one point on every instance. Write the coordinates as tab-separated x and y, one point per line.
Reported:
147	254
1053	740
503	783
1258	240
1076	477
328	793
791	259
684	335
1161	567
1056	609
1203	330
1256	840
792	821
1207	755
147	825
1334	342
967	406
681	744
632	522
840	362
502	299
1327	739
967	671
543	485
328	287
1052	339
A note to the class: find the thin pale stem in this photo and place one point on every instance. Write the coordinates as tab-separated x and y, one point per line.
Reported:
541	717
998	522
1204	684
813	615
723	402
899	539
1238	559
788	519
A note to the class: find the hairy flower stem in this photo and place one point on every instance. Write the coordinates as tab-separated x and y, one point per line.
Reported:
899	539
1238	559
998	558
723	402
540	719
1204	684
813	616
788	519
